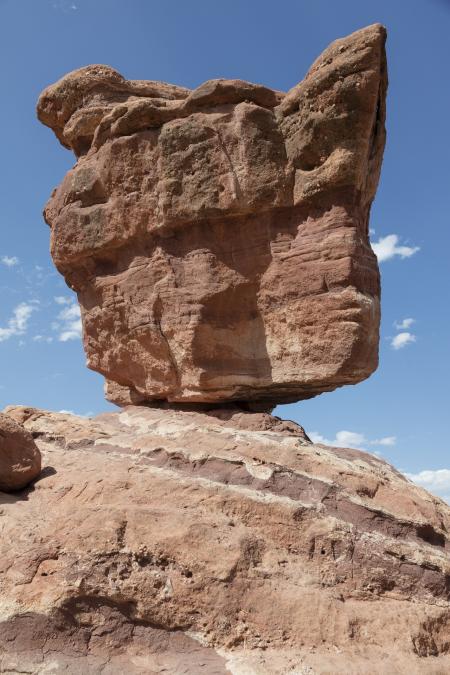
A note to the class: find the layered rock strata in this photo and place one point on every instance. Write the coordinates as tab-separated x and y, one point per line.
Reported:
218	542
20	459
218	238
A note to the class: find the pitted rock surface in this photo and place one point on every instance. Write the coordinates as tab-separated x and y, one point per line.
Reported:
218	238
219	541
20	459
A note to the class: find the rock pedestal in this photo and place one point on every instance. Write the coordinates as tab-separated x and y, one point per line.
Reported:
218	542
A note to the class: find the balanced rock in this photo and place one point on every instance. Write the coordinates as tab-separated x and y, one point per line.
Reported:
20	459
218	542
218	238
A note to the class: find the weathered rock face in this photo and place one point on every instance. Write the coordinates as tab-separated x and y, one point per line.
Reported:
218	238
20	459
220	542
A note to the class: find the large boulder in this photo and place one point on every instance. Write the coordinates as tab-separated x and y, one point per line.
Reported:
218	238
20	459
179	541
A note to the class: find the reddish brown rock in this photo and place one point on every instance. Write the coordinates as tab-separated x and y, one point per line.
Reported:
218	542
218	238
20	459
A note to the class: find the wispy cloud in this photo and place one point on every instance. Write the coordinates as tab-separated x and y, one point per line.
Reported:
343	439
388	247
63	300
72	412
404	324
18	323
68	324
42	338
437	482
402	339
386	440
64	5
9	261
351	439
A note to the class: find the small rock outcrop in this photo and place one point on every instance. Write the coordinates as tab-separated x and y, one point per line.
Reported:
20	459
176	541
218	238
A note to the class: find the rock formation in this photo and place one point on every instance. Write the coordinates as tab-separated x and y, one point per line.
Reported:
20	459
218	238
218	542
218	243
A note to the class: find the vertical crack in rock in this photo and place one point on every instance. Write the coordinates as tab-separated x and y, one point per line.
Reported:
158	312
237	188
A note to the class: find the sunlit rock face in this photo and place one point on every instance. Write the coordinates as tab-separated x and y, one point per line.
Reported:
217	542
218	238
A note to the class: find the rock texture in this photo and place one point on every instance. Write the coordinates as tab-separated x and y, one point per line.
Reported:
218	542
20	459
218	238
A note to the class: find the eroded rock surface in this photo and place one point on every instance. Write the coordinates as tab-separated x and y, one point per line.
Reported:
218	238
218	542
20	459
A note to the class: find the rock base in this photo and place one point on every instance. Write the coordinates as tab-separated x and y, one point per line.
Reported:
190	542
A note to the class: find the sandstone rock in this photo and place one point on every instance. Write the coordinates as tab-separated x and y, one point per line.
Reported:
20	459
218	238
219	541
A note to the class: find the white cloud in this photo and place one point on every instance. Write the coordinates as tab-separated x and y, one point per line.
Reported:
9	261
72	412
437	482
318	438
18	323
73	333
404	324
387	248
63	300
70	312
42	338
65	5
343	439
402	339
69	320
387	440
351	439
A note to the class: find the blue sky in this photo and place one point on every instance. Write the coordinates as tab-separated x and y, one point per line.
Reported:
402	411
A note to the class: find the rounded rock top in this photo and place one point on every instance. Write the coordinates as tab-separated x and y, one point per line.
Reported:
20	458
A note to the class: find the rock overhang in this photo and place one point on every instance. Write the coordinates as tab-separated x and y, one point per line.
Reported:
218	238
